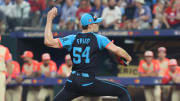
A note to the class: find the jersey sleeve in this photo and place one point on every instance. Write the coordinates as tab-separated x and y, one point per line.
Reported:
7	55
66	42
39	67
16	70
53	67
166	78
23	70
140	68
36	66
102	41
60	69
157	66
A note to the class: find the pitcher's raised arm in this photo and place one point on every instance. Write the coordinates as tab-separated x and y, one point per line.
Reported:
48	36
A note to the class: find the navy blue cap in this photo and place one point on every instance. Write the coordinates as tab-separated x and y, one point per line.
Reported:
88	18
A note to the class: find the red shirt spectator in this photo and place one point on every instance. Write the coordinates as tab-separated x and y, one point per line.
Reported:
66	68
148	65
37	5
29	68
50	68
163	66
172	71
16	69
168	74
84	8
47	67
171	14
146	68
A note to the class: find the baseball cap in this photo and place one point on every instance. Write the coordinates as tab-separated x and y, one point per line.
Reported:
140	1
27	54
148	53
46	56
161	49
173	62
89	18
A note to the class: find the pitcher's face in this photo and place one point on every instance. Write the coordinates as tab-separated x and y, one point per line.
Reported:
95	27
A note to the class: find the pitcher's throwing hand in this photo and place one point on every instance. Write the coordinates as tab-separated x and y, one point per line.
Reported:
52	14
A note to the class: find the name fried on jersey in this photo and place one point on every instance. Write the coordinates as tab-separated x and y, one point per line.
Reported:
83	40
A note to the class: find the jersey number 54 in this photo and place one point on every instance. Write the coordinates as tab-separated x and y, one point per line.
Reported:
79	54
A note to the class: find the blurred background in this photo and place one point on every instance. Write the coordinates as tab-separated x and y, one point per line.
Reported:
148	29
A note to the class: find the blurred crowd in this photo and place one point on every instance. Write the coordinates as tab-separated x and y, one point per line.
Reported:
117	14
165	68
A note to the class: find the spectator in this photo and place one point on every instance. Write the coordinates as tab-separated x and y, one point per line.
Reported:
175	2
56	21
111	15
21	9
172	14
150	3
68	14
20	14
162	60
98	8
122	5
37	6
173	74
47	68
128	15
30	69
71	25
30	66
158	12
163	63
6	14
150	68
13	93
66	68
143	16
6	8
83	8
